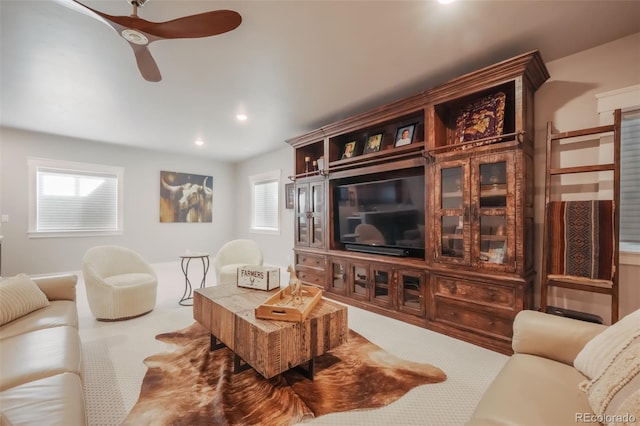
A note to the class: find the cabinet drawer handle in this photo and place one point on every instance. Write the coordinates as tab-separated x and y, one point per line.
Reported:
492	294
452	314
304	259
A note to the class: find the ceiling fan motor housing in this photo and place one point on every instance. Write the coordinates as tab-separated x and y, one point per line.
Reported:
137	3
135	37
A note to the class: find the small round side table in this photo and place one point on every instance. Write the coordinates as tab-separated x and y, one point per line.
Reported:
184	264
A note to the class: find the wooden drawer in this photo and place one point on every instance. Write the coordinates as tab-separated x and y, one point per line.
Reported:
310	261
473	320
494	295
311	278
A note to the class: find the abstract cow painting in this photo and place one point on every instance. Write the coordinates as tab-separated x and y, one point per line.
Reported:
185	197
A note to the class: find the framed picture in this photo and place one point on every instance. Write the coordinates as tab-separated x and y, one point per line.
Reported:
349	150
404	135
481	119
197	189
373	143
289	196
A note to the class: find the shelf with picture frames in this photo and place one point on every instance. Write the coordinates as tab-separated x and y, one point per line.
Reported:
378	141
398	134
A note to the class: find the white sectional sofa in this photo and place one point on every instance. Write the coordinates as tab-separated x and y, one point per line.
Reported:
40	349
566	372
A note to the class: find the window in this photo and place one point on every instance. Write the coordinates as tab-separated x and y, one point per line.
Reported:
627	99
265	197
630	178
74	199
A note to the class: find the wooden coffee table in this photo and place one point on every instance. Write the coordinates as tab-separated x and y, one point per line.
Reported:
270	347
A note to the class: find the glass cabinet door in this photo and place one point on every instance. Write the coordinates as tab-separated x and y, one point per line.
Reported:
451	212
302	220
493	211
411	288
359	282
317	214
338	282
309	211
382	277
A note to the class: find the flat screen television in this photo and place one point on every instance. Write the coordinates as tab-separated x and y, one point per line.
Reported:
381	216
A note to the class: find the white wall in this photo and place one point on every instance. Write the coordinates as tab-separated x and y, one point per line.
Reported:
568	100
143	232
277	248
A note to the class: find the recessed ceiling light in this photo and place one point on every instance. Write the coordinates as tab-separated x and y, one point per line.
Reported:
445	1
241	117
199	142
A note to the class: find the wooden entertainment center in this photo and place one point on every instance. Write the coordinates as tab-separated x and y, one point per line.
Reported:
452	209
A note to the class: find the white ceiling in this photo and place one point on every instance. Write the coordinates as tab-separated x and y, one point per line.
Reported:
291	66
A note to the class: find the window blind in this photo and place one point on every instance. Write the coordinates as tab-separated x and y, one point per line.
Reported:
630	177
76	201
265	201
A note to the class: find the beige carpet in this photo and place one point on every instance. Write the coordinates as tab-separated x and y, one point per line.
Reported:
469	368
101	389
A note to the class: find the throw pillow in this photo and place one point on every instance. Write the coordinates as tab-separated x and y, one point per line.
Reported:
599	351
19	296
614	395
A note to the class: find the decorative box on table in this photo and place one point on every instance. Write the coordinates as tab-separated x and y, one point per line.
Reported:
258	277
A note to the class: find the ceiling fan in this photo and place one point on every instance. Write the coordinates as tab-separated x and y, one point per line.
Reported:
139	33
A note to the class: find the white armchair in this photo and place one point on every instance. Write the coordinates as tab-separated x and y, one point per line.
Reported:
233	254
120	284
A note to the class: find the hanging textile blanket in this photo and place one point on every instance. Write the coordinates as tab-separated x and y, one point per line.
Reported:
580	238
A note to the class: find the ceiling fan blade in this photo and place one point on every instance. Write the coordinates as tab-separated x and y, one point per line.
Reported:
146	64
139	32
86	10
201	25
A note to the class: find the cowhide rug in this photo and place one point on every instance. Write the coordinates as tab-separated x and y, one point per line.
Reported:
193	386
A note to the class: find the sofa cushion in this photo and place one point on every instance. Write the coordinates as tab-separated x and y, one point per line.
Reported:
616	392
58	286
55	400
58	313
599	351
551	336
39	354
19	295
531	390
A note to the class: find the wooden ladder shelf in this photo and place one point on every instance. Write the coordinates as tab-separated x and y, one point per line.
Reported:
556	244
